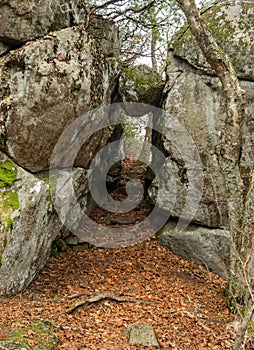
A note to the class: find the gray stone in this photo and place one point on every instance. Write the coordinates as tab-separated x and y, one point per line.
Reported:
122	220
194	97
46	85
203	246
29	223
61	65
71	240
28	226
81	247
23	21
143	334
107	35
232	25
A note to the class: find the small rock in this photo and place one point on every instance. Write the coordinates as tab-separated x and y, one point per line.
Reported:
143	334
72	240
80	247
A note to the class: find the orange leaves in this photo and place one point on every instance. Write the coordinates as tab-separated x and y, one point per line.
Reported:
188	310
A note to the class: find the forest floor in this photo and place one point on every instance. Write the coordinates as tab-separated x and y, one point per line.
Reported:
183	302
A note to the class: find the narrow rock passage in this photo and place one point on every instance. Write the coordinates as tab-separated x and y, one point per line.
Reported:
120	288
132	169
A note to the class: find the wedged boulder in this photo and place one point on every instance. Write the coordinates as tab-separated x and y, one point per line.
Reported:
193	96
22	21
28	226
140	84
203	246
44	86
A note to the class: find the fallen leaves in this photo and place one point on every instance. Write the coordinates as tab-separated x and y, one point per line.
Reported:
186	306
187	310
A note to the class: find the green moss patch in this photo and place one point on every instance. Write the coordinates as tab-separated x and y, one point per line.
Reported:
10	200
8	174
142	78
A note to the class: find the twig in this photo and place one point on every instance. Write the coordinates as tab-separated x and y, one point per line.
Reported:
78	295
105	296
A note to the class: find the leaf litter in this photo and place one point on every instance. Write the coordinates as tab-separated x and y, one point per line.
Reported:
183	302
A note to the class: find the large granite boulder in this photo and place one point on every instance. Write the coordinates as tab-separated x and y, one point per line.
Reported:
28	226
22	21
47	84
193	95
29	222
232	24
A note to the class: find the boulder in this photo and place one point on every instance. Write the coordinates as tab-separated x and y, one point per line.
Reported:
193	96
29	222
22	21
47	84
204	246
140	84
232	25
56	65
28	226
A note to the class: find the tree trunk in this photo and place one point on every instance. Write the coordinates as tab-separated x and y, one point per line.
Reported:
145	153
153	51
240	199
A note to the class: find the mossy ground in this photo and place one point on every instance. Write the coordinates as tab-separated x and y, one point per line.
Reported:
251	329
39	335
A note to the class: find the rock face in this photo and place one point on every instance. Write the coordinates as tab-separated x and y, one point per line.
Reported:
193	95
23	21
204	246
45	85
28	226
232	24
194	98
56	65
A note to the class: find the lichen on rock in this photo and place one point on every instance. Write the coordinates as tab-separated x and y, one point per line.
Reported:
232	25
28	226
193	96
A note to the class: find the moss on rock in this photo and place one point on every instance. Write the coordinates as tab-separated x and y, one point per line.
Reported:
9	201
232	26
141	77
8	173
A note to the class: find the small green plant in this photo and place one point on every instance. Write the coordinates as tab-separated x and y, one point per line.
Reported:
232	310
